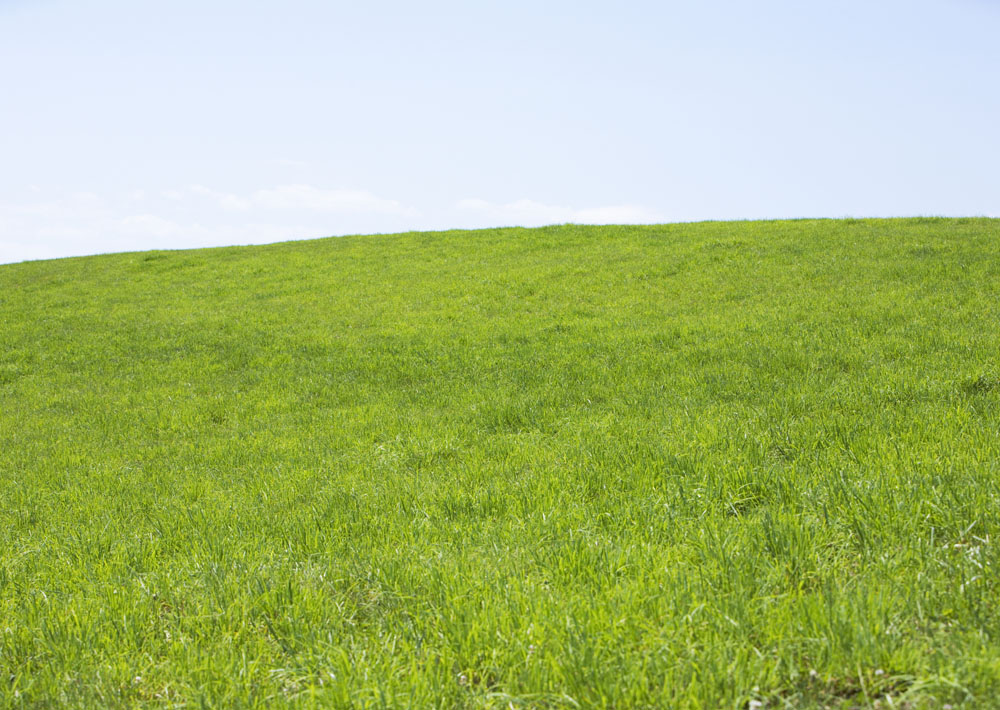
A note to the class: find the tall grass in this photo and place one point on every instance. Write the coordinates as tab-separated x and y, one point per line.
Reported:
688	466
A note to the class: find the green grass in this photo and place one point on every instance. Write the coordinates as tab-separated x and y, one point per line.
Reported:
681	466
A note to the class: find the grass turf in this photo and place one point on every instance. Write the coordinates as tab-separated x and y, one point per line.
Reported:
686	466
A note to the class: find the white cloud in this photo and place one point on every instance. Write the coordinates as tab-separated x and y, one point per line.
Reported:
225	200
41	226
531	213
302	198
473	204
307	197
619	214
11	251
194	216
148	231
149	225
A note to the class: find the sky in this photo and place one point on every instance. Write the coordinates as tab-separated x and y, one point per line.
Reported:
164	125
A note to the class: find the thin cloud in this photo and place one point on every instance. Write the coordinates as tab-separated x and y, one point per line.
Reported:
225	200
532	213
193	216
307	197
303	198
196	215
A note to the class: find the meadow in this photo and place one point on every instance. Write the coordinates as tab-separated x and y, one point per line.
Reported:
697	466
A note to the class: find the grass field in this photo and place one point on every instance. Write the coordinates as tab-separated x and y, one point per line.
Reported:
686	466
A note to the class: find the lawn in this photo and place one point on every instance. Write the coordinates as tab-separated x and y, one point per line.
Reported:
714	465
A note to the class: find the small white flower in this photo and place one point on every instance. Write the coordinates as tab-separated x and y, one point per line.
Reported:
755	705
880	672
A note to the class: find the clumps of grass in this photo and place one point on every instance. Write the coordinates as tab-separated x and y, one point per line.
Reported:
983	384
9	373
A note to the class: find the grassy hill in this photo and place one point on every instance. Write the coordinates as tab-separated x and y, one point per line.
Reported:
681	466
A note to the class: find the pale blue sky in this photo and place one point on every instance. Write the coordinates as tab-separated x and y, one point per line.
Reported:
138	125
